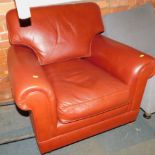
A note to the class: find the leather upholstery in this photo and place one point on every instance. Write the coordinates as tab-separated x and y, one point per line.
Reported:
79	94
60	31
115	58
75	99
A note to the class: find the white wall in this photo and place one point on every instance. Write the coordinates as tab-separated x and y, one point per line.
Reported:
23	6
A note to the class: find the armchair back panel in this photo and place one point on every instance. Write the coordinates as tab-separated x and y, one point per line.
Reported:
59	32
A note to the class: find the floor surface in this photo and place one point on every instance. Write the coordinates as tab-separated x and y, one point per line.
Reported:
136	138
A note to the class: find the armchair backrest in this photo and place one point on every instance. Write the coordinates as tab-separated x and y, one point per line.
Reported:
57	32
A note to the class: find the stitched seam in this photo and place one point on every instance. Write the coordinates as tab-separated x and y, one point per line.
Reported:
90	100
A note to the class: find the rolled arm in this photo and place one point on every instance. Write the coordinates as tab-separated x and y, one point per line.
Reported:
26	76
32	91
127	64
120	60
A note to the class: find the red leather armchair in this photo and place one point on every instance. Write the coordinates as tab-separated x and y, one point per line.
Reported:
75	82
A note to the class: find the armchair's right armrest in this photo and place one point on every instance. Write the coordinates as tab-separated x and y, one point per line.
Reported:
32	91
26	76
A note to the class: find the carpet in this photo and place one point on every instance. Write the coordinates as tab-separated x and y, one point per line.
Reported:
134	138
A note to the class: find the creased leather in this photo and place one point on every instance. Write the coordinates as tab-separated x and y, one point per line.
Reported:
60	31
80	94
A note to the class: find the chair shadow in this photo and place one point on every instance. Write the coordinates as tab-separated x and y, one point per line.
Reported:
21	112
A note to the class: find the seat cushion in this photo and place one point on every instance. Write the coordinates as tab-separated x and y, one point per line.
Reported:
84	90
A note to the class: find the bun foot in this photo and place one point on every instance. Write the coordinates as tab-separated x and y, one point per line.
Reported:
147	115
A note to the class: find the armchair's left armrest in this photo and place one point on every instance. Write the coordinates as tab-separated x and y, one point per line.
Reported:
127	64
120	60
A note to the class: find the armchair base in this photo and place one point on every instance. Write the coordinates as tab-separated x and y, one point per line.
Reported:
88	131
